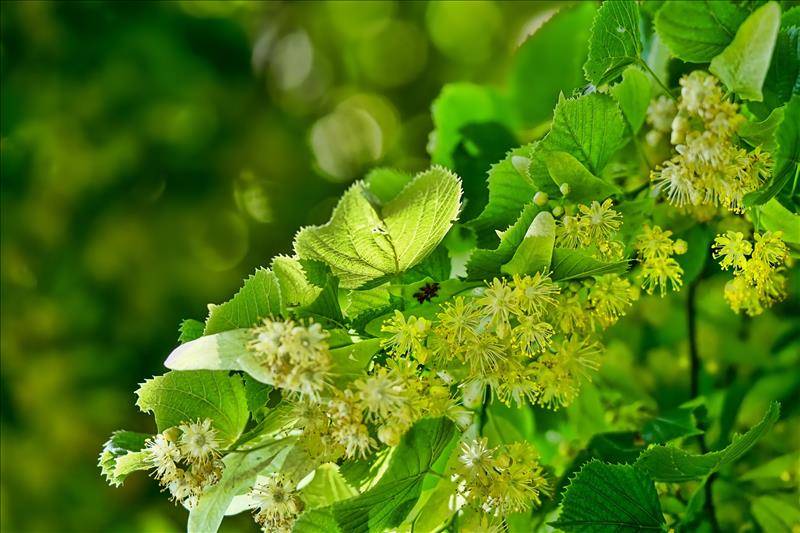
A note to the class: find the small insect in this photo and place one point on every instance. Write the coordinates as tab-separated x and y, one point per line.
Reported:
426	292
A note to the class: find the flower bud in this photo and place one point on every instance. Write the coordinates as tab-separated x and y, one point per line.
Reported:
680	247
540	198
564	189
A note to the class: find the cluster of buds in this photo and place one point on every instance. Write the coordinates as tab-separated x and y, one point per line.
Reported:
709	169
501	480
757	267
185	460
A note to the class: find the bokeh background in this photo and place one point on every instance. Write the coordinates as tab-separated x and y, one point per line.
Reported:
155	153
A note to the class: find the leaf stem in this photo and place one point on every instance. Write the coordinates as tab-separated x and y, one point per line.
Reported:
694	390
484	413
658	80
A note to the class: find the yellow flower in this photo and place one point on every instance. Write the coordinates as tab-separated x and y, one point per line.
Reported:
499	302
408	335
600	221
534	294
733	248
609	297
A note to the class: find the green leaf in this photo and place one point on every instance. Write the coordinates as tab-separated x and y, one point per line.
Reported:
775	469
258	298
786	155
696	31
744	63
583	185
190	329
295	289
211	352
507	424
571	264
591	128
763	133
633	95
776	514
510	188
772	216
238	477
327	487
257	395
457	105
325	307
537	75
672	425
698	239
122	454
386	183
353	359
674	465
485	264
604	497
536	249
360	244
178	397
387	503
615	41
783	77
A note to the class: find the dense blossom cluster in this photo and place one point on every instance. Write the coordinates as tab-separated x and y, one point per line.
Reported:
659	269
501	480
709	169
757	267
592	226
277	503
185	460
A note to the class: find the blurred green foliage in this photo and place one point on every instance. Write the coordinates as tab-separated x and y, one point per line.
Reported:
153	154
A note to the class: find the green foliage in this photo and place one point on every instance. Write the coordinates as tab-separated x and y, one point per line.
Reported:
670	464
122	455
484	264
633	96
583	185
604	497
744	63
259	298
387	503
360	244
615	41
179	396
569	264
698	31
535	251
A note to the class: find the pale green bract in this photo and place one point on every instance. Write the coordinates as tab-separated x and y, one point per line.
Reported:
363	242
743	65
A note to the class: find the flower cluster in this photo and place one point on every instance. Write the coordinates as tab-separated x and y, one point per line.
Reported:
277	503
500	480
592	226
660	114
294	357
757	267
185	460
659	270
709	169
516	338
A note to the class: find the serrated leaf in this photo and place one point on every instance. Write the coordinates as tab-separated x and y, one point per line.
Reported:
787	155
177	397
763	132
783	77
615	42
633	95
485	264
257	299
744	63
190	329
238	477
510	188
536	249
360	244
674	465
604	497
388	502
591	128
569	264
537	76
672	425
295	289
696	31
583	185
121	455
